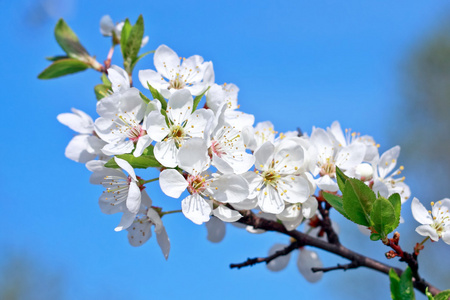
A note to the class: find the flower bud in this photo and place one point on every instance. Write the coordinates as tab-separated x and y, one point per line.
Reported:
364	172
308	259
280	262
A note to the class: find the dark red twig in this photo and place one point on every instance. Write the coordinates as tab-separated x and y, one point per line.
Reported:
257	260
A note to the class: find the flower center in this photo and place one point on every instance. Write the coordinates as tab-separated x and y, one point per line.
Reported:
177	133
216	148
271	177
196	184
329	169
135	132
176	83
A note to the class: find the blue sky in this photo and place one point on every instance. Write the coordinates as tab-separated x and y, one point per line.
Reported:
297	63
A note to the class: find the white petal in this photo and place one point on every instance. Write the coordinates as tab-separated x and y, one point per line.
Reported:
76	150
420	213
180	106
264	155
142	144
216	230
427	230
106	25
172	183
166	61
226	214
196	209
118	147
139	233
193	156
163	242
151	77
78	121
327	184
126	221
166	153
388	160
119	79
269	201
230	188
294	189
309	207
156	126
126	167
197	122
134	198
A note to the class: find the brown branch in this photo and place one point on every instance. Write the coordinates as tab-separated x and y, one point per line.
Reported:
352	265
257	260
249	218
326	222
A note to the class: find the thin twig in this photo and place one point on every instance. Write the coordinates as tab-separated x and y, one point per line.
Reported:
352	265
257	260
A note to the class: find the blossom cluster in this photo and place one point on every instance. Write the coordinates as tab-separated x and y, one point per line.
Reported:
214	158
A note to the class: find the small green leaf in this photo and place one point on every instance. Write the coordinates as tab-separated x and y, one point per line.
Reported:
444	295
141	162
428	294
341	179
198	98
69	41
144	98
55	58
336	202
63	67
395	285
406	285
140	57
126	29
358	200
102	91
396	202
105	80
134	40
158	96
375	237
382	216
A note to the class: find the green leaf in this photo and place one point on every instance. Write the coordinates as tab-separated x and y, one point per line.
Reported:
102	91
402	287
358	200
158	96
336	202
55	58
341	179
140	57
375	237
396	202
144	98
134	40
142	162
198	98
428	294
126	29
382	216
444	295
406	285
63	67
105	80
69	41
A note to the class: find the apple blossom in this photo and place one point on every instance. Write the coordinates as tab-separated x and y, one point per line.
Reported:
435	223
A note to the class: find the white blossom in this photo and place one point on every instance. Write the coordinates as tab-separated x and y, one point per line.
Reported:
435	223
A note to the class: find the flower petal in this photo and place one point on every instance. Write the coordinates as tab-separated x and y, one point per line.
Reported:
196	209
172	183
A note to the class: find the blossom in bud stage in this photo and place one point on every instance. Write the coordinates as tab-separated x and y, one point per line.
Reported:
120	123
385	181
192	73
307	260
140	230
182	125
203	188
216	230
435	223
276	180
281	262
124	193
330	155
107	28
86	146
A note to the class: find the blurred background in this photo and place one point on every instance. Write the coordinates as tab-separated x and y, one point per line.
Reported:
381	68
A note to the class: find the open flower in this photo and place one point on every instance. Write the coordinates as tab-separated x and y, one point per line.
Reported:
435	223
191	73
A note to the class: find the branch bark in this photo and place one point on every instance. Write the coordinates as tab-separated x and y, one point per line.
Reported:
249	218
